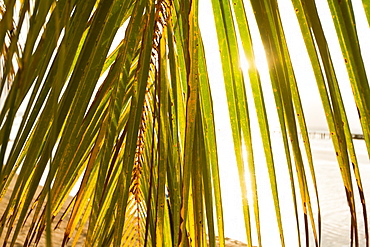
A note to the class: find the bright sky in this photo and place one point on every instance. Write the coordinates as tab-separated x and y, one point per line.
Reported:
309	94
310	98
305	77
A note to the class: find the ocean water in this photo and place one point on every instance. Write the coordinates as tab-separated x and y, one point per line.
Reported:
335	214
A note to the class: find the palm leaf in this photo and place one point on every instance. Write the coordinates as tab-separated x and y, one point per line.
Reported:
128	122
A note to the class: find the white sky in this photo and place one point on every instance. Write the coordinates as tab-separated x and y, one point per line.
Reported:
305	77
310	100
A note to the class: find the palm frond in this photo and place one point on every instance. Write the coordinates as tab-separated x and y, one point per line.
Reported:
114	100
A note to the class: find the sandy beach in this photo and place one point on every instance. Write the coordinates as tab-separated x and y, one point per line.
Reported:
58	234
334	210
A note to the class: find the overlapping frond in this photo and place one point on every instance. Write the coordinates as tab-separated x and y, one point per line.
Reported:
111	101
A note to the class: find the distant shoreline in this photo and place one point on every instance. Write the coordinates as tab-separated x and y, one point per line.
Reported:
325	134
